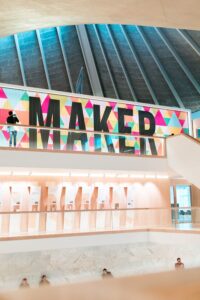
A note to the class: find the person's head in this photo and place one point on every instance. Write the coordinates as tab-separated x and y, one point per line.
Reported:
104	270
43	277
10	113
178	260
24	280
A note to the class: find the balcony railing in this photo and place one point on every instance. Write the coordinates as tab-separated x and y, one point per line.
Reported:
68	140
35	223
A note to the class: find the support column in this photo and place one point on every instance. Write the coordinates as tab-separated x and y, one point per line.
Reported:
43	207
89	60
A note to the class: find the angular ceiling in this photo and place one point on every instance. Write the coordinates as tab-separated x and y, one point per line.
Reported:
22	15
143	64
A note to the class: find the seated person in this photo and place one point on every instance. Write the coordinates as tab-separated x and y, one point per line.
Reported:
24	283
179	265
106	274
44	281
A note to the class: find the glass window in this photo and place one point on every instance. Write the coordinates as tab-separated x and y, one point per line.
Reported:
183	198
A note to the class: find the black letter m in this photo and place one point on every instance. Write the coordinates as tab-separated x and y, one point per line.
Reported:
35	114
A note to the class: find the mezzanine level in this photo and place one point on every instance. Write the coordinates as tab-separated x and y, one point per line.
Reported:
86	150
31	224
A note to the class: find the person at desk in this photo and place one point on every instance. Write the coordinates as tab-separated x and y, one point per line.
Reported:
12	119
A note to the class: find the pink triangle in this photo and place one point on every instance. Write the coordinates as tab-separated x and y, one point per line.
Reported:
182	122
91	141
112	104
159	119
69	109
6	134
129	106
116	114
89	104
177	113
2	94
45	104
147	108
109	126
135	133
25	139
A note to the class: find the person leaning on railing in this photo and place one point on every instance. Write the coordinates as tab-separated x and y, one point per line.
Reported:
106	274
12	119
24	283
179	265
44	281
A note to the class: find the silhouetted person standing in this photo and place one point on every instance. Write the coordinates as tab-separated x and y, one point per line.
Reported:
12	119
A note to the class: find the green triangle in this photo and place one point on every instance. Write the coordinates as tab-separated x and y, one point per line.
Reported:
64	138
89	111
137	145
167	120
115	129
25	97
61	123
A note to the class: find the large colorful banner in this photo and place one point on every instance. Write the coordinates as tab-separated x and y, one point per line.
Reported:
89	114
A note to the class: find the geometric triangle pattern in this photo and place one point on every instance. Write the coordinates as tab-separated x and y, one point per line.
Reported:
167	120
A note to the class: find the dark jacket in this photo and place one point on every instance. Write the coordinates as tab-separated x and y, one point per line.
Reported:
12	120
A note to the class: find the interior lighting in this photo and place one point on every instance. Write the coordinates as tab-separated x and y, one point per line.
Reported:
49	174
99	175
21	173
124	184
150	176
79	174
122	176
110	175
162	176
136	176
97	184
5	173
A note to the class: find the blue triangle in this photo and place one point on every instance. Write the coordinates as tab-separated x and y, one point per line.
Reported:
14	94
174	122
